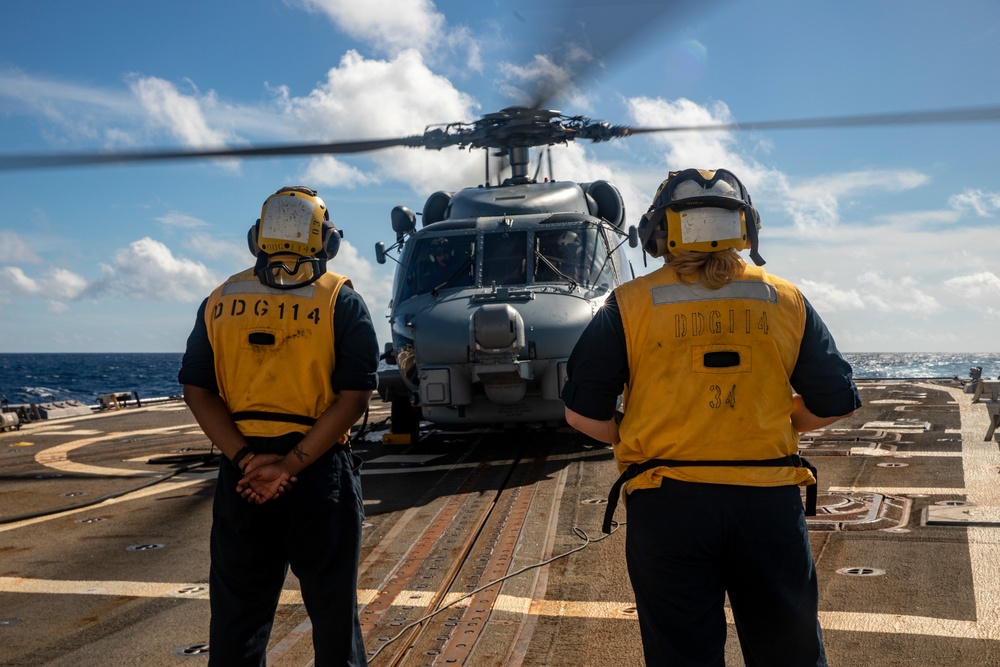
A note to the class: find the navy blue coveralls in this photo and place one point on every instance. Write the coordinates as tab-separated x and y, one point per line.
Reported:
688	545
315	527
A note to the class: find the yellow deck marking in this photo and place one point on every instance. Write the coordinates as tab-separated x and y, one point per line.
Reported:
903	490
905	625
877	453
830	620
136	589
56	457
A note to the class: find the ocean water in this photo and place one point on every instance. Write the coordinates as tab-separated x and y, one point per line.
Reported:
44	378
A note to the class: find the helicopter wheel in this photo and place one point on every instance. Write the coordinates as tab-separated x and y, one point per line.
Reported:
404	419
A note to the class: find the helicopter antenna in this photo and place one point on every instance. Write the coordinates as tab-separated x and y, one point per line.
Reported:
539	167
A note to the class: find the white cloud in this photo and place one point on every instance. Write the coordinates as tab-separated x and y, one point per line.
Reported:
897	294
119	118
826	297
181	220
866	181
329	171
981	288
873	291
16	280
982	203
13	249
236	256
71	106
179	114
65	284
395	98
920	219
814	204
60	284
391	26
147	269
704	150
56	307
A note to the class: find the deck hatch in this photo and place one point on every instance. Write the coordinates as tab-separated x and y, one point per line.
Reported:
961	515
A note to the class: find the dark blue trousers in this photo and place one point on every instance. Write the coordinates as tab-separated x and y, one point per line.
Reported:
316	529
687	545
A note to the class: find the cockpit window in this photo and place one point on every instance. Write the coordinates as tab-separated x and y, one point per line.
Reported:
577	255
505	258
440	262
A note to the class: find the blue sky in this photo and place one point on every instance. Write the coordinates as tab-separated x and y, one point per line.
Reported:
892	233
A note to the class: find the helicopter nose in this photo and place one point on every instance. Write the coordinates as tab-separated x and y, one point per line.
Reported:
497	329
497	337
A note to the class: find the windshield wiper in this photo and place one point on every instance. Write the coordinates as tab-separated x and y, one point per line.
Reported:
572	282
464	266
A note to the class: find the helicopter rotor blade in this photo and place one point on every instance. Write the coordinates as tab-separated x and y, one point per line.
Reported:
955	116
43	160
514	127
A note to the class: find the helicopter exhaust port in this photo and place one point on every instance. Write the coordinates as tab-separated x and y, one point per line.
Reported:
496	333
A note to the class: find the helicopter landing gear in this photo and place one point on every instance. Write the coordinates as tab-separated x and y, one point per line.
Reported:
404	419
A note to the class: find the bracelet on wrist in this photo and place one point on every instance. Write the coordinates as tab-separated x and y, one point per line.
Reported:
240	455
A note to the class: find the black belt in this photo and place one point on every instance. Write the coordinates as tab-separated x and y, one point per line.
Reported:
273	417
635	469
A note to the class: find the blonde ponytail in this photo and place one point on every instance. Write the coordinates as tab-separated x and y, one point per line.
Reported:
712	269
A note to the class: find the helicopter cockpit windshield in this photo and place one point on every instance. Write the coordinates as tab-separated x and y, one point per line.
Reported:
572	255
577	256
505	258
441	262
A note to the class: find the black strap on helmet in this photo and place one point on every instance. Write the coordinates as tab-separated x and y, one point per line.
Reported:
635	469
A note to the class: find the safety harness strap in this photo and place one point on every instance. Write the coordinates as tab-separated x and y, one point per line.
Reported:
273	417
635	469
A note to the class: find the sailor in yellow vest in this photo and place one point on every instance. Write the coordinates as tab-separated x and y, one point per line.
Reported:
280	364
720	366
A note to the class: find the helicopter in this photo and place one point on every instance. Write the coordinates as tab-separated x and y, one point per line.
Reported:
494	288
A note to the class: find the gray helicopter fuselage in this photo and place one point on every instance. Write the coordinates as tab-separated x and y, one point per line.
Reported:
489	301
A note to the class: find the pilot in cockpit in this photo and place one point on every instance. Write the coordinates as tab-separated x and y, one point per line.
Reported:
444	265
562	253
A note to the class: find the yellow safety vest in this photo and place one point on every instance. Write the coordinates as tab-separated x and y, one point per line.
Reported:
274	351
709	378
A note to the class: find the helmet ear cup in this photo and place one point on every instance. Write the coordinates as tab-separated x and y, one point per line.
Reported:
652	232
252	236
331	241
753	240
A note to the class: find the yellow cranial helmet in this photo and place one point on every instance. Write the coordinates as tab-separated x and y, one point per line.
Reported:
293	221
698	210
